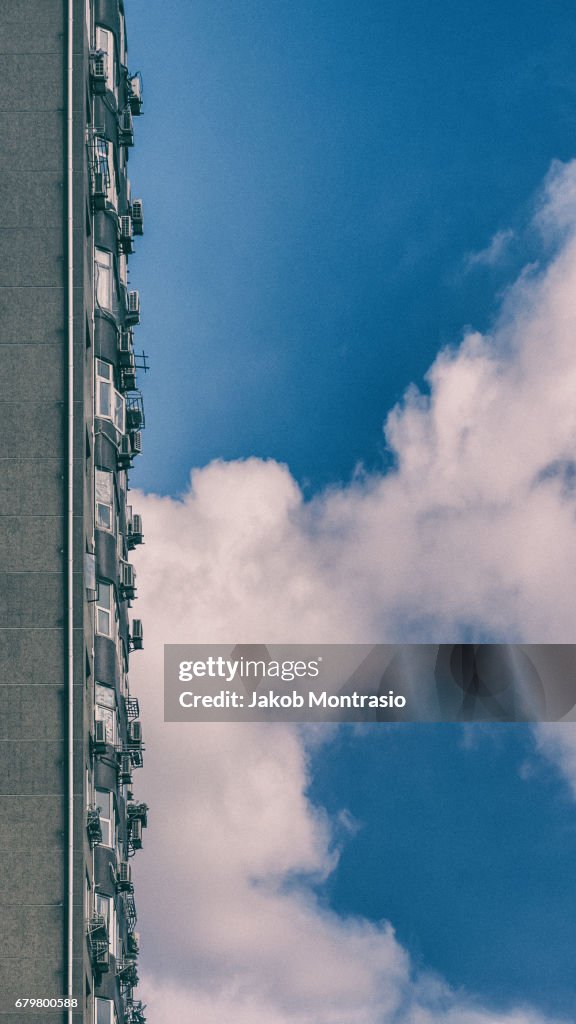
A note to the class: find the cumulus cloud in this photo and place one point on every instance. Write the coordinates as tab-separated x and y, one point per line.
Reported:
473	529
471	533
493	253
557	741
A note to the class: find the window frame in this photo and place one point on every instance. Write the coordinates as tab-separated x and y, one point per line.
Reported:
104	273
106	712
105	41
111	1017
109	402
103	609
107	816
101	475
104	905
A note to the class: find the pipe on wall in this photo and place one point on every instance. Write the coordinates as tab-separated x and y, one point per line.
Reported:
70	513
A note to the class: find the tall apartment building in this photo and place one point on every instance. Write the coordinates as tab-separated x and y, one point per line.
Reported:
70	426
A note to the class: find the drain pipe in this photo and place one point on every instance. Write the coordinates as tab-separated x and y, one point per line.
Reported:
70	513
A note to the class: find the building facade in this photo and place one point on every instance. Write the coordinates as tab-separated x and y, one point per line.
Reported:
71	418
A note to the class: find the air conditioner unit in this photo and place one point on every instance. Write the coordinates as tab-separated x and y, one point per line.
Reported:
133	309
99	190
135	733
99	737
126	128
133	943
99	70
126	358
138	216
125	228
128	581
138	812
124	877
124	454
135	98
136	438
125	770
137	635
136	834
135	534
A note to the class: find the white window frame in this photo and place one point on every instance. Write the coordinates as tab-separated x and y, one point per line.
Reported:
104	905
105	801
104	164
105	41
106	614
122	40
108	1014
105	710
110	404
104	273
105	500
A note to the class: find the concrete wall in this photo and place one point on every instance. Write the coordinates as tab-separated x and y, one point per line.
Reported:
33	470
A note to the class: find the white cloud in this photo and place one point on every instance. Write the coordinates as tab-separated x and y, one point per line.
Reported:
557	741
493	253
475	527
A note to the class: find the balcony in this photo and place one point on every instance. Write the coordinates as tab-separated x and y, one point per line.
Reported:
135	419
93	826
126	972
135	1012
132	705
98	943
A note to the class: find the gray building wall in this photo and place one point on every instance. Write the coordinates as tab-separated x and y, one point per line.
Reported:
33	505
33	475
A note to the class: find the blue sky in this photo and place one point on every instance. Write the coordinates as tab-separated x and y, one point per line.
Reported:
314	175
466	840
315	178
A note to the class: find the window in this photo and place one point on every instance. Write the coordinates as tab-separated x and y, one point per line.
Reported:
104	278
104	906
122	40
105	610
104	165
107	819
119	407
87	896
104	500
120	546
112	190
105	42
105	1011
101	165
104	388
109	402
105	710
